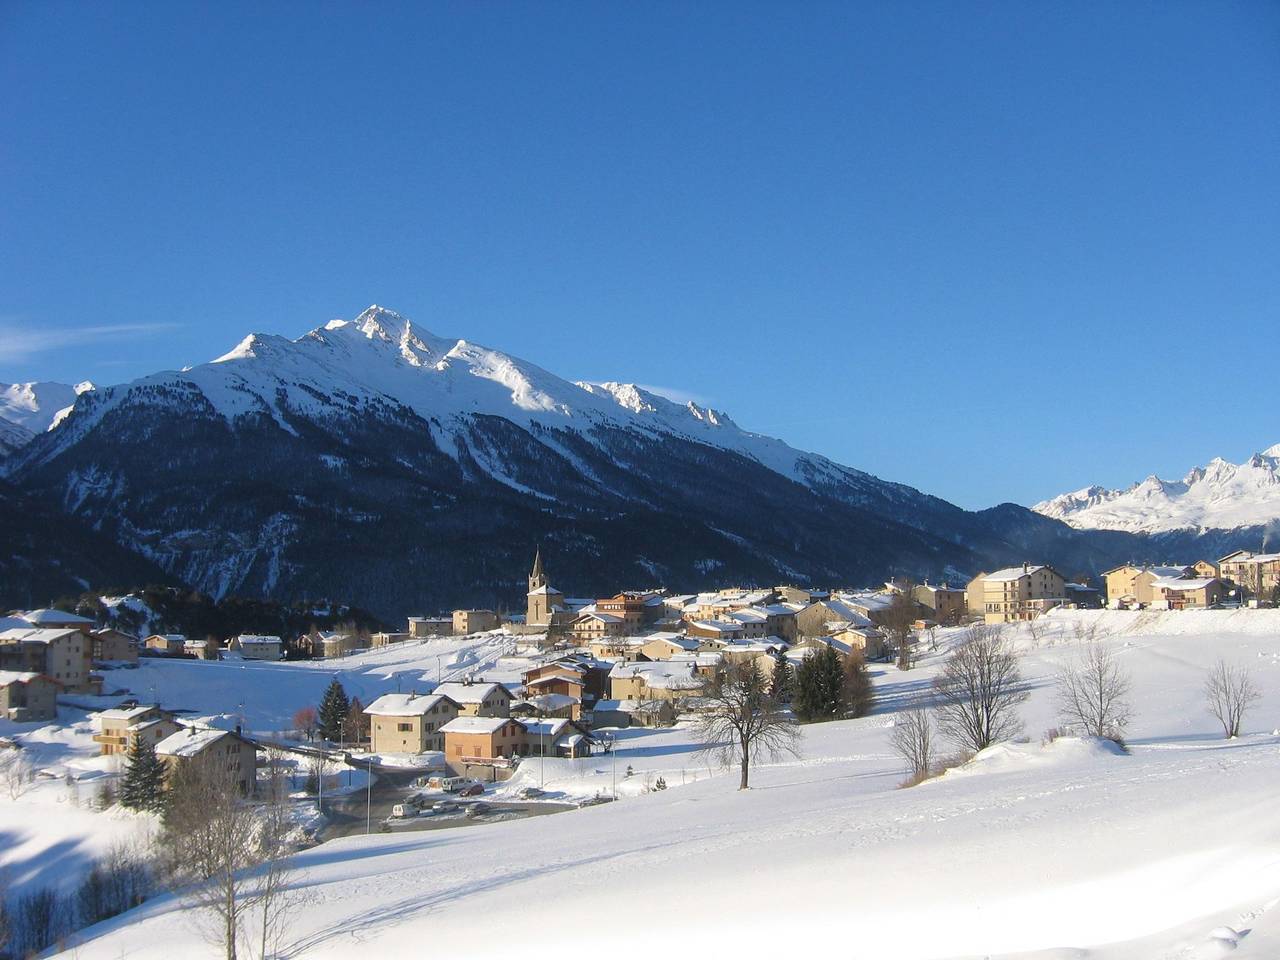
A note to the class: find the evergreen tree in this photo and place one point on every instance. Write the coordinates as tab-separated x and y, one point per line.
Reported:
334	707
782	681
819	686
142	787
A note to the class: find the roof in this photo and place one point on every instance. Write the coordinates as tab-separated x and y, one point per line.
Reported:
15	676
189	742
126	713
45	616
552	701
1015	572
603	617
257	638
718	626
170	637
487	725
404	704
1180	583
544	728
36	635
468	692
545	590
684	643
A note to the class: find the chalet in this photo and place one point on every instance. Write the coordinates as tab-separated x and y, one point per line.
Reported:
616	648
27	697
221	751
1129	586
659	680
590	626
472	741
824	617
476	698
328	644
119	728
383	639
206	649
715	632
591	674
408	722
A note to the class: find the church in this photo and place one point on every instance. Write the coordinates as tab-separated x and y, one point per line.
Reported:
546	603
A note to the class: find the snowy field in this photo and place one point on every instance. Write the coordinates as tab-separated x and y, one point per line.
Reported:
1070	850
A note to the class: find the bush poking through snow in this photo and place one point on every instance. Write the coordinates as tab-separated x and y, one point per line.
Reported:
1230	691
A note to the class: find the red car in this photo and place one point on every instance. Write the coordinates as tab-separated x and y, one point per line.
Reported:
474	790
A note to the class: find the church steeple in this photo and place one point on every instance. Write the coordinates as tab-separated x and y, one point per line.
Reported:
537	578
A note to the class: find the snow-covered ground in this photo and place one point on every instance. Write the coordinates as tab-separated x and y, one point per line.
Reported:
1070	850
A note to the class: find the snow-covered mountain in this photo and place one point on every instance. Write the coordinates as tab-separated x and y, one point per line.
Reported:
30	408
376	461
1218	496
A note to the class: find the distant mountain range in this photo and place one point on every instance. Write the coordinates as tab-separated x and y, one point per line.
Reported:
1219	496
30	408
377	462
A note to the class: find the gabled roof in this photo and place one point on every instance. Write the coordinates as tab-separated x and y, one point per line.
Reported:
37	634
47	617
405	704
190	742
487	725
1015	573
16	676
1183	583
468	692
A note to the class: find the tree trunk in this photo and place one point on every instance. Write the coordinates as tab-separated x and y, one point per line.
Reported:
746	770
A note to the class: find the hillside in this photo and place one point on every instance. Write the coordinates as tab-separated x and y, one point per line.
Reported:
1031	851
374	460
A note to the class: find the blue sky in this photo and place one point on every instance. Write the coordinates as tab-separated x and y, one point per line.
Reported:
994	250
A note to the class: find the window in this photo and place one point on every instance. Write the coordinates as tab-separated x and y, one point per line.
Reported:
404	727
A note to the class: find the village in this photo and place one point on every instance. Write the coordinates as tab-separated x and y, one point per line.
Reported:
480	718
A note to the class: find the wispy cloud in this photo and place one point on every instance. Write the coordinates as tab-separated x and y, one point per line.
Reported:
19	341
676	395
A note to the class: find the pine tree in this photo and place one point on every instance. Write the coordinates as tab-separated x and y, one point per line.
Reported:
142	787
819	686
334	706
782	681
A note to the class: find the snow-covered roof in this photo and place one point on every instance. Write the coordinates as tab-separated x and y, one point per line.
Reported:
169	637
468	692
475	724
45	616
545	591
748	615
257	638
602	617
126	713
15	676
625	706
545	728
675	640
718	626
189	742
660	674
551	701
404	704
1180	583
36	634
1013	573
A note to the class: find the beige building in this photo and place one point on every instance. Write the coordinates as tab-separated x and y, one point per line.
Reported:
119	728
420	627
480	741
114	646
657	680
589	627
1258	573
473	621
206	649
218	750
945	604
60	653
383	639
409	723
1130	585
257	646
27	697
165	644
476	698
1021	593
667	645
1184	593
825	617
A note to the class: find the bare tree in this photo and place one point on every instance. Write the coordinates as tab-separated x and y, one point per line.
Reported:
912	739
896	621
210	835
979	690
1093	692
268	896
742	720
1230	692
16	772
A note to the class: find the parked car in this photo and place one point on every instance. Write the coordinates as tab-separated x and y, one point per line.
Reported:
529	793
471	790
445	806
477	809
